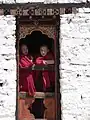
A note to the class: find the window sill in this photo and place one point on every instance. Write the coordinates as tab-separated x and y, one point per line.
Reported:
38	95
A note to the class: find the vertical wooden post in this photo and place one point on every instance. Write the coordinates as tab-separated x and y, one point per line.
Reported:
50	112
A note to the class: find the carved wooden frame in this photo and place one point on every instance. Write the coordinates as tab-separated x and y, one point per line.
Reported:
57	56
17	9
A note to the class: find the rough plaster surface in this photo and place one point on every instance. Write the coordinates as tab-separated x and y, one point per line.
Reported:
7	68
75	66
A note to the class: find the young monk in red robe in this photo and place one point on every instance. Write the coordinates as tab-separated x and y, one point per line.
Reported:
26	82
46	58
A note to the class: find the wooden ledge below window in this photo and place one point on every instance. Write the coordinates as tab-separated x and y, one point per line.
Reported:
40	68
38	95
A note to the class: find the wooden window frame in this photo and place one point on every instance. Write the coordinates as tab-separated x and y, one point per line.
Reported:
57	62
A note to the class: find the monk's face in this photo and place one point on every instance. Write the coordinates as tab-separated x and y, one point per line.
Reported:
24	49
44	50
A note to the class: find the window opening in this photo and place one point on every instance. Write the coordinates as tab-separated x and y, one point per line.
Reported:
68	10
39	90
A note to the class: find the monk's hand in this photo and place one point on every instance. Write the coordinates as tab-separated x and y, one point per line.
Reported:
45	62
33	66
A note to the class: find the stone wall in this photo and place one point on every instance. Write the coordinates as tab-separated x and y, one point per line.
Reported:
7	68
75	66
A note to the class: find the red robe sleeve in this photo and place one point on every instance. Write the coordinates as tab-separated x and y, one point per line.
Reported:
26	81
39	61
49	56
24	61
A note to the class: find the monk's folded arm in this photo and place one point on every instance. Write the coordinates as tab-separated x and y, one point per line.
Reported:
50	61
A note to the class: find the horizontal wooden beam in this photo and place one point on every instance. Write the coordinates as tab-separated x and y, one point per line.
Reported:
43	5
38	9
40	68
38	95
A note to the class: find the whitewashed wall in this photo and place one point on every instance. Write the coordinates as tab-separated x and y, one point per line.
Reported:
75	66
7	68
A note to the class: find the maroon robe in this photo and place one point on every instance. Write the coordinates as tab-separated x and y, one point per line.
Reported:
26	83
48	76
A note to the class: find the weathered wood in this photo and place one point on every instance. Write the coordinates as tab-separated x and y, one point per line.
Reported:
50	112
23	111
35	9
40	95
44	6
43	67
40	67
